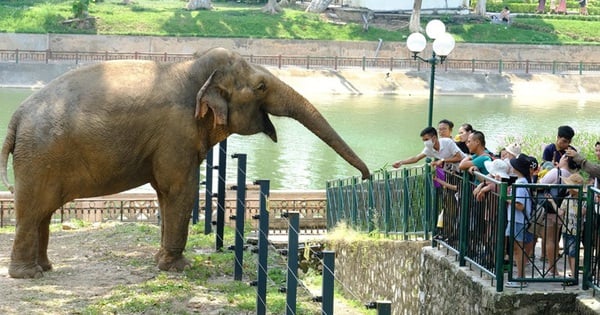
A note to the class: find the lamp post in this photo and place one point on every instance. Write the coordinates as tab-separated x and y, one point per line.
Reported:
443	44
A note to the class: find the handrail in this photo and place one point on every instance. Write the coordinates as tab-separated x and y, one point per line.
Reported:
18	56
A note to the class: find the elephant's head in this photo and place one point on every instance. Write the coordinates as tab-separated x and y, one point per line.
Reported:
240	95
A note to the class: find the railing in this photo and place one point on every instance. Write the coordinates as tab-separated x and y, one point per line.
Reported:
395	203
144	208
311	62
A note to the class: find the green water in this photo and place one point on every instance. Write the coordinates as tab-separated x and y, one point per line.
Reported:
381	129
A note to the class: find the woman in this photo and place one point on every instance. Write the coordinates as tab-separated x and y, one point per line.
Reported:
461	138
551	233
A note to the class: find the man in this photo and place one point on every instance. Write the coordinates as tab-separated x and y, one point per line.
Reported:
443	150
475	161
554	151
445	127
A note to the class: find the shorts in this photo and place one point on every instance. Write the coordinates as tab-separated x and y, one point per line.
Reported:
571	246
521	233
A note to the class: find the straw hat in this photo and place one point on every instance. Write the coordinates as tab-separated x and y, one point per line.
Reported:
574	179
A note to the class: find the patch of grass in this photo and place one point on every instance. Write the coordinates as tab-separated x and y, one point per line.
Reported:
229	19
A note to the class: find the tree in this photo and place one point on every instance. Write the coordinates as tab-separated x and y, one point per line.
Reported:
318	6
415	18
272	7
480	9
199	5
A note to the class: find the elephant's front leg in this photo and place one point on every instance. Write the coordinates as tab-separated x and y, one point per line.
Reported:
176	209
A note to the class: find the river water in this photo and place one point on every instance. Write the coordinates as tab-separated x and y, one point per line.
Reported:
381	129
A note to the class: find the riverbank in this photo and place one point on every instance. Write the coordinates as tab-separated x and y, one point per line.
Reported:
369	82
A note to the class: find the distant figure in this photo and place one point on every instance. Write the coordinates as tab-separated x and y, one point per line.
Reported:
583	7
541	6
562	7
505	15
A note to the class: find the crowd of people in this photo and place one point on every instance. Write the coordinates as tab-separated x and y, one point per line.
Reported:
561	164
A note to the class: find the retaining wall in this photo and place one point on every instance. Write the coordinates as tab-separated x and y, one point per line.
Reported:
250	46
419	279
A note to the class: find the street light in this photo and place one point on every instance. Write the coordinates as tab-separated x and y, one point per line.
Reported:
443	44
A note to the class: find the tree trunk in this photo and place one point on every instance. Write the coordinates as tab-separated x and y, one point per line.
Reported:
272	7
415	18
199	5
480	9
284	3
318	6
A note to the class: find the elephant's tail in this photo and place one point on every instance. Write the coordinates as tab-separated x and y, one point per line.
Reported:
7	149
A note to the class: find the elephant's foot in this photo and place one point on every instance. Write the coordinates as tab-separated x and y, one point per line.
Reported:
25	271
46	265
171	262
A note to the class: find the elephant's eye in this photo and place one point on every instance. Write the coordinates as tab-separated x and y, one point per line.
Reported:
261	87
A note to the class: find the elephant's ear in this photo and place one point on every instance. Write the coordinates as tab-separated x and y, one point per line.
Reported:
210	97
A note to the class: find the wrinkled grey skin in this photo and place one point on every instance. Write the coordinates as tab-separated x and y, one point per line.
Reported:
114	126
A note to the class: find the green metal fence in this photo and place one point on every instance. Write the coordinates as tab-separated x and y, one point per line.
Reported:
407	204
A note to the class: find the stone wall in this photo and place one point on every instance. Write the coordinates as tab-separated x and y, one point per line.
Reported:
419	279
249	46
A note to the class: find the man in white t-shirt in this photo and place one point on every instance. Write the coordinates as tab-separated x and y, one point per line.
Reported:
444	151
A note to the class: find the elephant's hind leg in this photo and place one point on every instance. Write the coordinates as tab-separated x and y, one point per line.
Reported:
29	258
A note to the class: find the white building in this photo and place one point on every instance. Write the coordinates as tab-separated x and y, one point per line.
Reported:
407	5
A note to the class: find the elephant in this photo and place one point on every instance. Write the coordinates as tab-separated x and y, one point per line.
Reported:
115	125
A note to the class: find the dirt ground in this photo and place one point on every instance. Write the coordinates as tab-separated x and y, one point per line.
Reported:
90	264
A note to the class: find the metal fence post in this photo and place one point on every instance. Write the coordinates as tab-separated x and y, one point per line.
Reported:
388	202
292	264
500	66
263	243
208	194
240	216
221	194
464	219
328	282
384	307
500	239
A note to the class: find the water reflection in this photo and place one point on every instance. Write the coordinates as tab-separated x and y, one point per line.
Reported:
381	129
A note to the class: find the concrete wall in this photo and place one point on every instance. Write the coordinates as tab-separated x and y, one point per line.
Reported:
248	46
419	279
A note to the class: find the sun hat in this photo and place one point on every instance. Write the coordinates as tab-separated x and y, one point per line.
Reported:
514	149
574	179
497	167
521	164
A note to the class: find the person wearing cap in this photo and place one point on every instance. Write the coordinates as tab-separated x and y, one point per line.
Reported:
475	161
554	151
569	211
521	209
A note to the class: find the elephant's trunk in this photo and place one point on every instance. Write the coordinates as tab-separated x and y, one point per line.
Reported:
291	104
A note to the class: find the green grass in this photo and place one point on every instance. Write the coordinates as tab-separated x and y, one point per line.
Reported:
169	18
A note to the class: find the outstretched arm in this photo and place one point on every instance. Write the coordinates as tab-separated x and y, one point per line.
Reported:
410	160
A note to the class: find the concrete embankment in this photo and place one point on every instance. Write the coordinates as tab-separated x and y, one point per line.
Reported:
328	81
359	82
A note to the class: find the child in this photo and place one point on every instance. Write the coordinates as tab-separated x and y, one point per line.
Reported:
569	212
523	240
